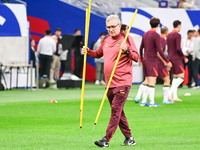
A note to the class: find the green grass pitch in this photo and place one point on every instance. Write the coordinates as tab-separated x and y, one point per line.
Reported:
29	122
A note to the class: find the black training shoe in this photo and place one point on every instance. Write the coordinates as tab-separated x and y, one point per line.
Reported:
102	143
129	141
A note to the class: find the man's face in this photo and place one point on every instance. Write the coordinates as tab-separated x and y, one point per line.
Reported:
167	32
78	32
58	33
102	37
195	33
125	31
190	35
113	27
179	27
33	43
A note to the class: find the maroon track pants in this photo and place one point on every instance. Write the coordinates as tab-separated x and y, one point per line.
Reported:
117	98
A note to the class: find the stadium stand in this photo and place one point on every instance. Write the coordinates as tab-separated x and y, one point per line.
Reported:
113	7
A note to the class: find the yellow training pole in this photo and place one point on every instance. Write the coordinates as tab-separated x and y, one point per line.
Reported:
113	71
84	70
87	22
89	9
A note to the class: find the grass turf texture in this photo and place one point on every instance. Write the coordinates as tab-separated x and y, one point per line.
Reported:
29	121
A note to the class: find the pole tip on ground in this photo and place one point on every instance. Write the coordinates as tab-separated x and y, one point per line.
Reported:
80	130
93	127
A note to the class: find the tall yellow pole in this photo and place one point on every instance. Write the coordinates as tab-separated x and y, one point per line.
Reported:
102	102
87	22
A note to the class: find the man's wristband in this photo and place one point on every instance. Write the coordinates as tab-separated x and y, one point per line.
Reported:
127	51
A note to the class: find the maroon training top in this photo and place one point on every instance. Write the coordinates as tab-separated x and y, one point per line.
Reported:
110	48
174	45
151	44
163	43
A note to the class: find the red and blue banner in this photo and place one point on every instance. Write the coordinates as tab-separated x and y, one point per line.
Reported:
53	14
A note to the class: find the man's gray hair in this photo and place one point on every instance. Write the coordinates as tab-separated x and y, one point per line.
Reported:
163	29
113	17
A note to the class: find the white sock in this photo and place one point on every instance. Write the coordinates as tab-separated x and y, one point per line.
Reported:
172	88
151	91
165	92
178	82
145	94
175	83
140	91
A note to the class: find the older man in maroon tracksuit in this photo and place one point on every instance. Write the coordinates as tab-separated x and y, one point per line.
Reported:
122	79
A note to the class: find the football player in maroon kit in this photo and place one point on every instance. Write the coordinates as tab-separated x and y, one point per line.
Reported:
152	46
175	55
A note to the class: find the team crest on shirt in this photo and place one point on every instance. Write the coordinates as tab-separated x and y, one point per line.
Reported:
118	43
106	45
122	92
